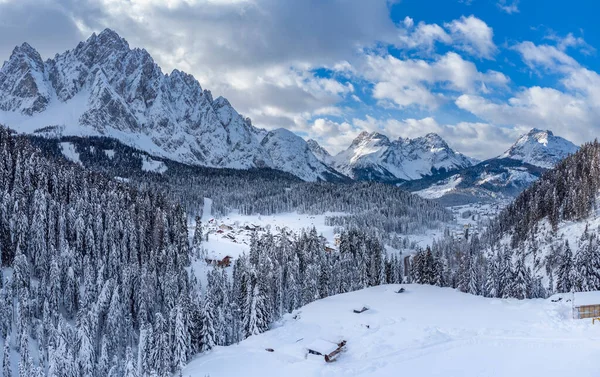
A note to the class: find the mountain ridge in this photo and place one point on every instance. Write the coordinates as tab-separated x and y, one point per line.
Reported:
102	87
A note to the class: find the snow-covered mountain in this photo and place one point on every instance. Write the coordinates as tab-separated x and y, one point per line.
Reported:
291	153
105	88
502	177
373	156
540	148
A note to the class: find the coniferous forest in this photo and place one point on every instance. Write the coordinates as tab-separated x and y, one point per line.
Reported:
96	277
96	281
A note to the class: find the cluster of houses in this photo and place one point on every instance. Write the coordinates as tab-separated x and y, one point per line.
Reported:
242	233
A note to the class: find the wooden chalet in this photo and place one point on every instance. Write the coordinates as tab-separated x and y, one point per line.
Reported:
225	262
586	304
329	350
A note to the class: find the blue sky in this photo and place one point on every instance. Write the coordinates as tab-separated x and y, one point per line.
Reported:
477	72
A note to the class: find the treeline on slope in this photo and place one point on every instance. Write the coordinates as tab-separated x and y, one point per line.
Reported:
465	266
95	283
372	206
567	192
503	271
492	267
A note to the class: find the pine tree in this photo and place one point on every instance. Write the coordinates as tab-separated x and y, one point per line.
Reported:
565	270
197	240
181	338
6	367
130	365
208	323
521	281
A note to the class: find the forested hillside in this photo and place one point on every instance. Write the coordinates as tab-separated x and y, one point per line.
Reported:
546	241
95	279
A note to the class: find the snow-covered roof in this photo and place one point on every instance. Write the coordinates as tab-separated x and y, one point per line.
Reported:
323	347
586	298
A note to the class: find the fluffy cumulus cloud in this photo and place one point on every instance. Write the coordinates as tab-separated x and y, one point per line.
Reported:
422	83
473	36
571	109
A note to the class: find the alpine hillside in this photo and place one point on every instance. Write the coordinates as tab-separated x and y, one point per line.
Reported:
103	87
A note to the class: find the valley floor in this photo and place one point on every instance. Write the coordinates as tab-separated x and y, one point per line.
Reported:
425	331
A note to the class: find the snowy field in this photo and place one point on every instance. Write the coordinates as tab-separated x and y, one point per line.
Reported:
425	331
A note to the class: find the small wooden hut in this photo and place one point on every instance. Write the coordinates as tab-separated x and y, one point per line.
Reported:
328	350
586	304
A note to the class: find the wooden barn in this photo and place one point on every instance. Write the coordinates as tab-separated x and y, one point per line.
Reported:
586	304
329	350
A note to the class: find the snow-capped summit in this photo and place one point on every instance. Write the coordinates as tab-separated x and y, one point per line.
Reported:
372	156
320	153
104	87
291	153
540	148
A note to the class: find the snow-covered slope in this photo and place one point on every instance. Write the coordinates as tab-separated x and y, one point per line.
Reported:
291	153
425	331
372	156
540	148
494	179
105	88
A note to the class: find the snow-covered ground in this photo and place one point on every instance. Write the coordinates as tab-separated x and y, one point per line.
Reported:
425	331
68	150
235	241
151	165
440	189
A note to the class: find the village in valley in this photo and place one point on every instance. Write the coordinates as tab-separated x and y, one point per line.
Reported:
227	238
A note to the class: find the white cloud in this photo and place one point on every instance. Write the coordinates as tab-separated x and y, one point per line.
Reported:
509	7
420	83
423	36
545	56
331	135
474	36
571	116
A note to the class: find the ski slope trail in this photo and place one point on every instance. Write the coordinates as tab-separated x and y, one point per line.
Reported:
425	331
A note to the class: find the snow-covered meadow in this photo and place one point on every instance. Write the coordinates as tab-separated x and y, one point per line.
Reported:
425	331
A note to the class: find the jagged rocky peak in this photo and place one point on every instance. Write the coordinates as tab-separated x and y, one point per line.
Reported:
321	153
22	85
540	148
433	140
291	153
374	137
